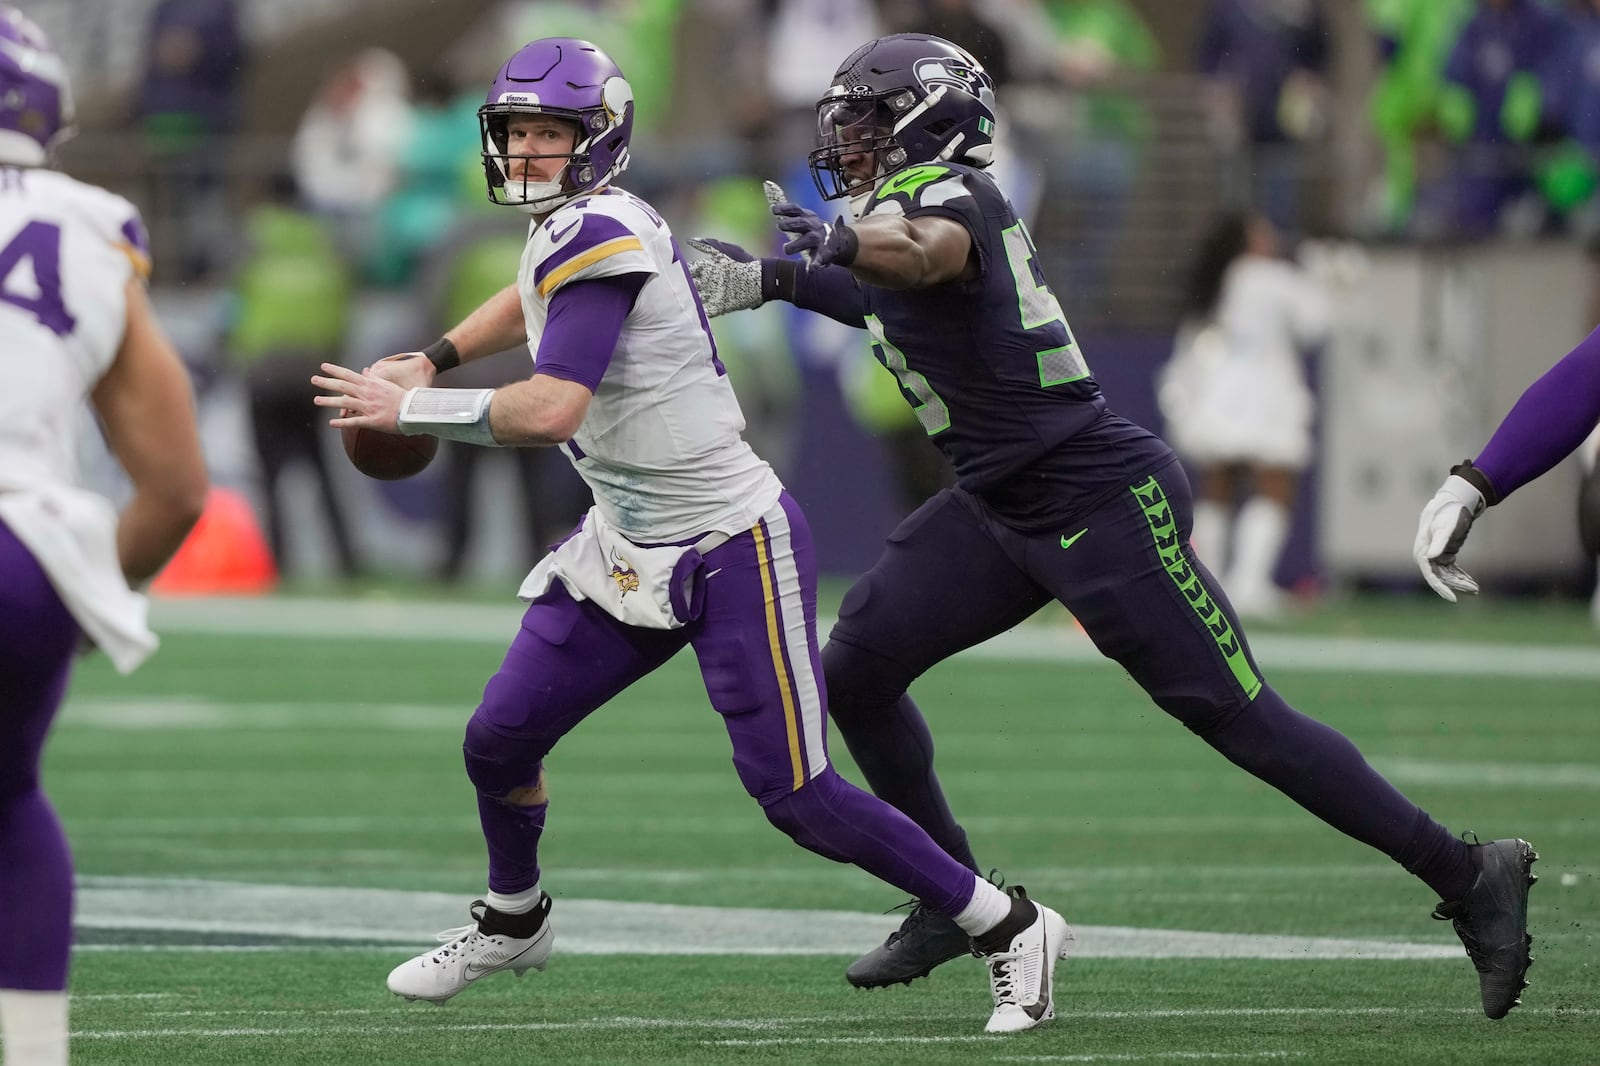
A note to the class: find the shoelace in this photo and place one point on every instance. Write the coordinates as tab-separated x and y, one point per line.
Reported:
1001	975
919	916
455	940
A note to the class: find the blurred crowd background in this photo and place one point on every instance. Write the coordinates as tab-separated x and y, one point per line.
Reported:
309	173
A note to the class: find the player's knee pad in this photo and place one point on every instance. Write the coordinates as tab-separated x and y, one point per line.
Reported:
809	815
498	765
861	683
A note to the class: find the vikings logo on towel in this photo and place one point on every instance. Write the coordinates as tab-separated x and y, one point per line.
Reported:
625	576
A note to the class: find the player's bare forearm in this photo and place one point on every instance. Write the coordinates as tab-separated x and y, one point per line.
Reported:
495	326
900	253
147	410
542	410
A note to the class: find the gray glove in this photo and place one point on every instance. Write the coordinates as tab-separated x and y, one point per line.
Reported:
727	277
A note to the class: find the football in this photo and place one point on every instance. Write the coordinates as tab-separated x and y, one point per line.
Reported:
388	456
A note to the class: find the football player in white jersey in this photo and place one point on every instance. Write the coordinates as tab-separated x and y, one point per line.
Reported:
77	327
692	539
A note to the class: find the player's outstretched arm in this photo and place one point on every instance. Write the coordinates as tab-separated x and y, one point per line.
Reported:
889	251
495	326
146	405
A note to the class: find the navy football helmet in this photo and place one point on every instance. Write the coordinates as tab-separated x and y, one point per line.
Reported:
568	79
35	98
897	102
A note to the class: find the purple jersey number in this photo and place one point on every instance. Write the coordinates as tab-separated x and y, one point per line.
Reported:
40	244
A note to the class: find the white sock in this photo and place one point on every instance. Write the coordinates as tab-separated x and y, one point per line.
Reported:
1263	527
34	1025
1210	537
515	903
989	907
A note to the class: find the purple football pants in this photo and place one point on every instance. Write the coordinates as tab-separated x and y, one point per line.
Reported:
952	575
756	641
37	639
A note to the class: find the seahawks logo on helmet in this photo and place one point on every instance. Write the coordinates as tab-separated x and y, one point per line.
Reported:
942	70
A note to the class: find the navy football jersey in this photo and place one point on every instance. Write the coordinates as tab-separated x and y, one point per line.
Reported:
991	367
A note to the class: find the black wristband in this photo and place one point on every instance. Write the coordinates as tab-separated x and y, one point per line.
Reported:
443	355
850	245
778	279
1475	477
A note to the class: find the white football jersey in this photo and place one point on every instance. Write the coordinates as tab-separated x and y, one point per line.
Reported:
67	250
660	446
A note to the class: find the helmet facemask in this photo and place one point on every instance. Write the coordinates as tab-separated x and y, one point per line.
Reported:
535	197
561	79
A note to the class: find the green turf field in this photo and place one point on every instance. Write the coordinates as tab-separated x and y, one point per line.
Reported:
272	813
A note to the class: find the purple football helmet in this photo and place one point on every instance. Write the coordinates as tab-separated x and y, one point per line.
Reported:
35	99
568	79
900	101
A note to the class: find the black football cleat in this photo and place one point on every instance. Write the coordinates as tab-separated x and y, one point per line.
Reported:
1492	921
924	940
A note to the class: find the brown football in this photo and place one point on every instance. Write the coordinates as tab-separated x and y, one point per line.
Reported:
388	456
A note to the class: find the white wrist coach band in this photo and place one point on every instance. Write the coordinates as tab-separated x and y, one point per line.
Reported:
453	414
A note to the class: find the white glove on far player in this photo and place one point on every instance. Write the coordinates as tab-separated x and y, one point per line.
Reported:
1442	530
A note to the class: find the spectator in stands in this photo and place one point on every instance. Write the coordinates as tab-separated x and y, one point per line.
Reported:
437	181
347	150
1493	103
1414	38
1099	46
189	96
1265	62
1237	403
1567	171
292	300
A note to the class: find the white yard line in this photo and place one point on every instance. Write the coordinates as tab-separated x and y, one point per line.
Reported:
603	927
477	623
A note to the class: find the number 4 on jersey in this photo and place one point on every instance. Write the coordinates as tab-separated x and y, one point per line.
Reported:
30	276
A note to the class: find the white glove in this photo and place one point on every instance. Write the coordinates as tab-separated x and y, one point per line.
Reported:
1441	532
728	277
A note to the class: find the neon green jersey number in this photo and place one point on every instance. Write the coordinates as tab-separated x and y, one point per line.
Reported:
1037	306
931	411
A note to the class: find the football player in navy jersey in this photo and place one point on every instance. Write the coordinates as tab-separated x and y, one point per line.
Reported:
1058	498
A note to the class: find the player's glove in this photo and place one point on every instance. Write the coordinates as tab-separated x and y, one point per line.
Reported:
727	277
1443	527
820	242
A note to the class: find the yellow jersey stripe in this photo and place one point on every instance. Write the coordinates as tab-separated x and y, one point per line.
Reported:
589	258
141	262
785	688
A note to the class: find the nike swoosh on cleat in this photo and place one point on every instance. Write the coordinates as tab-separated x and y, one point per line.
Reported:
1067	542
1037	1010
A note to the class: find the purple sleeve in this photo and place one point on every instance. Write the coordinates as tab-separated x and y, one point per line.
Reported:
1548	422
583	326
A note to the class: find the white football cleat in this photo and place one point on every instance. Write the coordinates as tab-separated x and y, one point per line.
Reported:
1023	974
468	954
